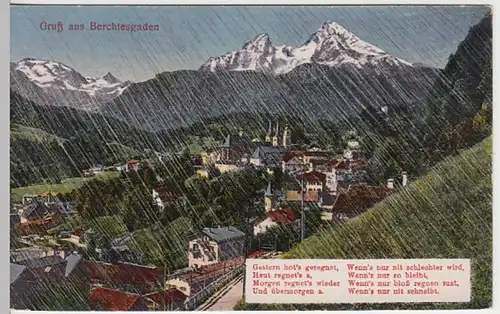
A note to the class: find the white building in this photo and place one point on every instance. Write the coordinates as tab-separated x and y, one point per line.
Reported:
213	245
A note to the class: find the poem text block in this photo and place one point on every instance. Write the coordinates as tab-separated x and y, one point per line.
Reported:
357	281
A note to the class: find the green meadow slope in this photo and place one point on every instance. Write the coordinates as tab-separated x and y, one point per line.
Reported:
445	214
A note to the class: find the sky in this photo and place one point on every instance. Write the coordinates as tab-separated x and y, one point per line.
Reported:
188	36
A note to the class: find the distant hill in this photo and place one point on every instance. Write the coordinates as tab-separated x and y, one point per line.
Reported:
56	142
445	214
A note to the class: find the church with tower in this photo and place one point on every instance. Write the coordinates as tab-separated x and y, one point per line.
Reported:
240	150
273	136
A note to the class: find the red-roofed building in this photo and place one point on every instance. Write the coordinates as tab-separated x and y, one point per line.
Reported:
165	300
357	199
313	180
104	299
282	216
141	277
132	165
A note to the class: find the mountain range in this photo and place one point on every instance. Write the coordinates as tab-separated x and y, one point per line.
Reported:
332	75
54	83
331	45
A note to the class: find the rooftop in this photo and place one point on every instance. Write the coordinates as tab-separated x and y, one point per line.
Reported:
313	176
122	273
104	299
35	208
359	197
309	196
222	234
15	271
283	216
42	262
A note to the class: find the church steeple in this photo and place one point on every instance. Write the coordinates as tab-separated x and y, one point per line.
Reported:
275	137
269	133
287	137
269	190
270	199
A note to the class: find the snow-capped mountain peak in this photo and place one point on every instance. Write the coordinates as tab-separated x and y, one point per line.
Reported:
261	43
331	45
333	28
54	79
110	78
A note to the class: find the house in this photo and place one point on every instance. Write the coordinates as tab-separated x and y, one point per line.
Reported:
124	275
266	156
213	245
299	161
280	217
132	165
292	162
35	276
169	299
343	172
22	292
163	197
308	196
55	266
270	199
105	299
356	200
313	180
93	171
121	250
234	147
34	210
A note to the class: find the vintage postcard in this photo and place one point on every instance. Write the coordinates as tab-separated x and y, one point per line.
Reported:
220	158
